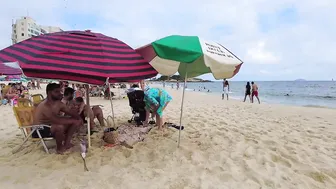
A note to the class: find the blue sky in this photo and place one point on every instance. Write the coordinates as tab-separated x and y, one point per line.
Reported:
282	40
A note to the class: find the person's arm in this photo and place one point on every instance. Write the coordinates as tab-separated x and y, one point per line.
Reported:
56	119
228	87
85	109
68	111
153	103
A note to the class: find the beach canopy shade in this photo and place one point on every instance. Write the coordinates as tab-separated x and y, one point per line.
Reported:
191	56
81	56
10	68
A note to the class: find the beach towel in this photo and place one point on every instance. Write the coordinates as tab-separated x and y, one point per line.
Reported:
127	134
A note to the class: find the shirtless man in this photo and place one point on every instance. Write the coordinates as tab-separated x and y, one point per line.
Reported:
255	92
226	89
48	111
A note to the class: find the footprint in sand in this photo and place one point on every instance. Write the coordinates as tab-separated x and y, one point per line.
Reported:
278	159
269	142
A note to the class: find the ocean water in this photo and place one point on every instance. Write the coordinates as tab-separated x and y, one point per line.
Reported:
300	93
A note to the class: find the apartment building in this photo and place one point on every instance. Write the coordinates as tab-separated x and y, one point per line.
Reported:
26	27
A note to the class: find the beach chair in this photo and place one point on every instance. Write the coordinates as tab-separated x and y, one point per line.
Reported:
4	91
37	99
24	116
23	102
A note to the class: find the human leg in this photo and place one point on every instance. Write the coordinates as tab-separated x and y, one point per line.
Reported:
245	97
91	116
98	113
159	116
58	133
70	131
147	117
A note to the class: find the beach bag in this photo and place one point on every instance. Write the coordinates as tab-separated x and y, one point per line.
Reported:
110	136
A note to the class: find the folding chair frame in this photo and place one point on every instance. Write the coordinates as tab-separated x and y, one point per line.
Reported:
34	128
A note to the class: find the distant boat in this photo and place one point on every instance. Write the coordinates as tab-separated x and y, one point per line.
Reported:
300	80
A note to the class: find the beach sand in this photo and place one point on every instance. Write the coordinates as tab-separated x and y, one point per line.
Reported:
225	144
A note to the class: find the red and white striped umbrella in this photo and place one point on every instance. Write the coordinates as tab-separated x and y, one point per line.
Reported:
81	56
10	68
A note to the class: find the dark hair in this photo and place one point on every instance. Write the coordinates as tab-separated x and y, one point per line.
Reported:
79	99
252	82
68	91
135	86
248	83
52	86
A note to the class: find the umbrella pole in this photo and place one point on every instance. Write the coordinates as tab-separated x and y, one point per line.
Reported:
184	87
88	117
109	86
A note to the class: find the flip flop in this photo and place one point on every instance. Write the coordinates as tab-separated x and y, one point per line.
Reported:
175	126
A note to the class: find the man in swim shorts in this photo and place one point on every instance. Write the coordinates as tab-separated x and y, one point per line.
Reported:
255	92
48	111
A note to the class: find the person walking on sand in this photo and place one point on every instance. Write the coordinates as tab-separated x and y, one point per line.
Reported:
226	89
247	91
255	92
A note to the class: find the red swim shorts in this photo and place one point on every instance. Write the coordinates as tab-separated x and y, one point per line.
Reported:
255	93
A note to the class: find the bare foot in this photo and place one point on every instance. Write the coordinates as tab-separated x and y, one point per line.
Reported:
70	145
61	150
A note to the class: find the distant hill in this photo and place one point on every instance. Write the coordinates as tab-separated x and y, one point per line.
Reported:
300	80
179	78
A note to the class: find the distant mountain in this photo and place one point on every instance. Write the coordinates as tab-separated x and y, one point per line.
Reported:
175	78
300	80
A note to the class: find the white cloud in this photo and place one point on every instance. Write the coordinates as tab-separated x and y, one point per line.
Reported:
258	54
304	46
266	72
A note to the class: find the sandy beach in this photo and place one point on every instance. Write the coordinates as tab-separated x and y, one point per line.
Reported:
225	144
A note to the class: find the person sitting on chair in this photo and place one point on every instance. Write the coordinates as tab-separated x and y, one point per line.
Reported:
68	95
48	111
94	112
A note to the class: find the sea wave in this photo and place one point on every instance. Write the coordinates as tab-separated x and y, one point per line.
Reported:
288	95
317	106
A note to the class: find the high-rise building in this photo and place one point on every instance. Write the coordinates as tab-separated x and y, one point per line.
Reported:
26	27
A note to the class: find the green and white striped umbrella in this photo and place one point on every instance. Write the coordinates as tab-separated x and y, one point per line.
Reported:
191	56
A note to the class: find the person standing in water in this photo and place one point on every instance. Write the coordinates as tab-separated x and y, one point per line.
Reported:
247	91
226	89
255	92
